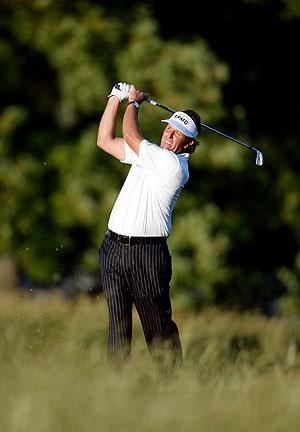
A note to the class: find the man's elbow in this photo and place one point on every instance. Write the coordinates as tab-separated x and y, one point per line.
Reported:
101	142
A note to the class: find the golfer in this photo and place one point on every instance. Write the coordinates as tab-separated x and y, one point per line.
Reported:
134	257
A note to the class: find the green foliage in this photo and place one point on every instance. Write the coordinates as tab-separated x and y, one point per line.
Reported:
200	248
165	68
291	279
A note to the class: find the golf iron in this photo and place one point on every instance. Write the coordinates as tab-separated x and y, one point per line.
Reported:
259	156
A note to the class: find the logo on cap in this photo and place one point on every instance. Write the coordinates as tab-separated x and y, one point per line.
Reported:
184	123
184	120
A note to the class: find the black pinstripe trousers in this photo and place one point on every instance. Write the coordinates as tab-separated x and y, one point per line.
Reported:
139	274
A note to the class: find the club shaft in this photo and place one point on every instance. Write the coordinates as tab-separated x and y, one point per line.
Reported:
152	102
227	136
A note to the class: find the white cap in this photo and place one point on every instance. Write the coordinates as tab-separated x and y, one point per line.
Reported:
184	123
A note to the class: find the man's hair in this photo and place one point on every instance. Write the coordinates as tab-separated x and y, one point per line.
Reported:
197	120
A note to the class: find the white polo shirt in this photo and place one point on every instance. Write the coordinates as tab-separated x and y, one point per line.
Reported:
145	203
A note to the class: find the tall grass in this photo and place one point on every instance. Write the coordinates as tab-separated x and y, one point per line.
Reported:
241	373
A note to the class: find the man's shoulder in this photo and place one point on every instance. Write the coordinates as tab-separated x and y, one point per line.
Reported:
154	149
150	146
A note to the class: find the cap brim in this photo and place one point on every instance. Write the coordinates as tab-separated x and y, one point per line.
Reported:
180	127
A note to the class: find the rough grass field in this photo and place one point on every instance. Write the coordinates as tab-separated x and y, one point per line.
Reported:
242	372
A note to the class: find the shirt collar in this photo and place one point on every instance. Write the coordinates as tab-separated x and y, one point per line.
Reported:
185	155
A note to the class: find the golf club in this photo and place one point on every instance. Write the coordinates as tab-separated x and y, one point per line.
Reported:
259	156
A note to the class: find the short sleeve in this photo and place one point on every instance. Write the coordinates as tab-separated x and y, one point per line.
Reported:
163	163
131	157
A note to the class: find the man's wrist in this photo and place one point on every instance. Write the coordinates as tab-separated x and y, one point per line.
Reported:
114	97
135	103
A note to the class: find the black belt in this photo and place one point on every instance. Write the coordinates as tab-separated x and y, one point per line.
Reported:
134	240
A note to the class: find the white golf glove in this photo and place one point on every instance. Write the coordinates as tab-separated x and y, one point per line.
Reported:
121	90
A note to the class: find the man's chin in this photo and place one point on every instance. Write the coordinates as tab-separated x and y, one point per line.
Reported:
166	146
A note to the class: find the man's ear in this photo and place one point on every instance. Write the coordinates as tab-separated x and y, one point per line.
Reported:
190	143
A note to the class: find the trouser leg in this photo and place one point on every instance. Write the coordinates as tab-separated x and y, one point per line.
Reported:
119	326
119	302
153	272
161	332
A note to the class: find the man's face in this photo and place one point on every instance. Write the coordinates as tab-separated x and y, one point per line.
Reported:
174	140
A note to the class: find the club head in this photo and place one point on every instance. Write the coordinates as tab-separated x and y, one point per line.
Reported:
259	158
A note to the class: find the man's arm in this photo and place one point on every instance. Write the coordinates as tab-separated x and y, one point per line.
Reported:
131	130
107	140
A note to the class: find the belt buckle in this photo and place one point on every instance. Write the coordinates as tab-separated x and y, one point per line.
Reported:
124	239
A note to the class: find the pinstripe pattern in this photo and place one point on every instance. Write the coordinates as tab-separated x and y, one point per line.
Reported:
139	274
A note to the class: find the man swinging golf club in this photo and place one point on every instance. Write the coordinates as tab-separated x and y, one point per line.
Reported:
134	257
